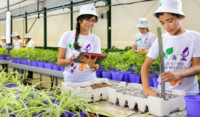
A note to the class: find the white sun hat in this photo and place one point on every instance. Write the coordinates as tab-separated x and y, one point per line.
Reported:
143	23
170	6
88	10
27	36
3	37
14	34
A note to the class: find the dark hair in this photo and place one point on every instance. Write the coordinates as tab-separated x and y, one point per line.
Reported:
159	14
28	40
18	37
80	18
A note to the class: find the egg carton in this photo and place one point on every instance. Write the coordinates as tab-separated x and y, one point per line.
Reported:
155	105
85	90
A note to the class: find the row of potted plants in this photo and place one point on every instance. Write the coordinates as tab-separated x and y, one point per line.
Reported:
26	101
125	66
34	57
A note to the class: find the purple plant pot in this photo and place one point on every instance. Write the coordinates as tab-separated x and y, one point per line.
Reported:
155	82
2	57
13	60
151	82
56	67
118	76
99	73
126	76
68	114
48	66
62	68
41	64
19	61
133	78
29	63
192	105
106	74
100	67
34	63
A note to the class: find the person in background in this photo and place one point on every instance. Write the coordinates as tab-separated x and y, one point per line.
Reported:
80	40
144	39
17	42
29	44
3	39
29	41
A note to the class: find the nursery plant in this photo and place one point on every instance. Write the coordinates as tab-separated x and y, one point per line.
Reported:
3	51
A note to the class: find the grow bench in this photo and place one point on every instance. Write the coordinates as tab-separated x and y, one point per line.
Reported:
54	75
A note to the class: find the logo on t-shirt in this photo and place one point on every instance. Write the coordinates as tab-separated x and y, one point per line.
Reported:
87	48
73	68
145	41
71	46
176	82
140	39
168	52
185	53
174	57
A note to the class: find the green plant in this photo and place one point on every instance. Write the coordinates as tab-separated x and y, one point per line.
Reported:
3	51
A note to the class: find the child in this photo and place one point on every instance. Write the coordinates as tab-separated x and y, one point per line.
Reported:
144	39
80	40
181	52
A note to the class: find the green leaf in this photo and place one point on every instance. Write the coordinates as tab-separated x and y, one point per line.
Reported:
164	55
169	50
70	46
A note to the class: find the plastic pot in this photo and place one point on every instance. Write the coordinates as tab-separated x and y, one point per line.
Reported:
133	78
118	76
192	105
106	74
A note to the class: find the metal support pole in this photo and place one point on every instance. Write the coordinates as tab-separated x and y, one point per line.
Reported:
45	28
109	29
26	22
71	13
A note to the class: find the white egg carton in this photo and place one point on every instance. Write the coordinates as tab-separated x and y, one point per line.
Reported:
85	90
156	106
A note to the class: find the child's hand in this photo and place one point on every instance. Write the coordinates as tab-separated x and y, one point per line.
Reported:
171	76
150	92
89	61
71	59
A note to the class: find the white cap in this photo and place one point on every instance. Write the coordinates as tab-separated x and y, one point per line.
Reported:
27	36
14	34
88	10
143	23
170	6
3	37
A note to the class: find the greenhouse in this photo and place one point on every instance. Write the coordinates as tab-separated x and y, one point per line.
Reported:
99	58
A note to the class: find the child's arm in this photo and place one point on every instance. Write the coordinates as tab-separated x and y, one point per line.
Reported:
176	75
145	78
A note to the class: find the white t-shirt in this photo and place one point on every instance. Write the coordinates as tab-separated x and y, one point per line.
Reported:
77	72
144	41
3	45
17	43
30	44
178	53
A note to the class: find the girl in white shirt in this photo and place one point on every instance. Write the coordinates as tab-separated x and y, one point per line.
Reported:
80	40
29	44
144	39
3	39
181	52
17	42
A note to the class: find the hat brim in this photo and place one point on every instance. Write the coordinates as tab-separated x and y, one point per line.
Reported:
169	10
97	17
